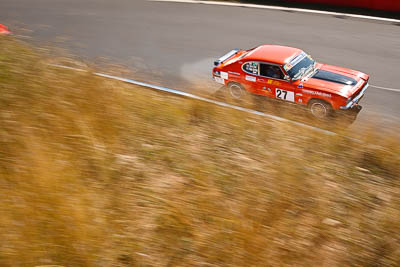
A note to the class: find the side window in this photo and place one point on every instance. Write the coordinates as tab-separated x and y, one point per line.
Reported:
251	67
271	71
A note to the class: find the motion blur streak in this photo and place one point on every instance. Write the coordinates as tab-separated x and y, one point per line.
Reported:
281	8
98	172
180	93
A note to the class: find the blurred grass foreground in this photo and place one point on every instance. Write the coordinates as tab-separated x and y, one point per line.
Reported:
99	173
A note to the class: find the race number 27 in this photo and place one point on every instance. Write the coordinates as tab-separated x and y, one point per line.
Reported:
284	95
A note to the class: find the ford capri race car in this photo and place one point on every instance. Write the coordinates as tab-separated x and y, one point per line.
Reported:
290	74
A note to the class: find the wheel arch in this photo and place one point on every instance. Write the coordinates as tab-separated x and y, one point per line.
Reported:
234	82
313	99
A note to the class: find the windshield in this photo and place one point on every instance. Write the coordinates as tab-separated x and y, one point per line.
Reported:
300	65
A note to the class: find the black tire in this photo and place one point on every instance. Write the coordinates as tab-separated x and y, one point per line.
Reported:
236	91
237	94
320	109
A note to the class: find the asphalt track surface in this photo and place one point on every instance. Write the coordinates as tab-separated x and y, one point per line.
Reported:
174	44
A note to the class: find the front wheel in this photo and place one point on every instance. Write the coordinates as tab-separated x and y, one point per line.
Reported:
320	109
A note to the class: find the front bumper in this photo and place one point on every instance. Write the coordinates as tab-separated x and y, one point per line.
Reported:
357	99
354	109
349	115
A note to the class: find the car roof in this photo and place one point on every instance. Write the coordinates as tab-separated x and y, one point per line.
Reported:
277	54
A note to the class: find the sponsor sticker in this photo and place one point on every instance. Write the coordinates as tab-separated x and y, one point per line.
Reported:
287	67
250	78
224	75
316	93
273	82
298	58
276	83
219	80
294	61
267	89
234	73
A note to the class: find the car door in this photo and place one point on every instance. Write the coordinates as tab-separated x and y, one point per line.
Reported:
272	83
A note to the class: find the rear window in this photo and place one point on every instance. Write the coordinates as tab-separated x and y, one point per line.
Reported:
251	67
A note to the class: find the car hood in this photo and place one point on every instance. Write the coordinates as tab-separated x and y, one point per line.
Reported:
336	80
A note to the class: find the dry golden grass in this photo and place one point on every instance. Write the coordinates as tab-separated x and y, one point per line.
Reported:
98	173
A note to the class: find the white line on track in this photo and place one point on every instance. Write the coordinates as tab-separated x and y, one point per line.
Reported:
23	36
66	67
281	8
385	88
188	95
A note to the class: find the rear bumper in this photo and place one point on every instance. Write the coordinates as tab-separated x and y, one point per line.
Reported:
357	99
218	80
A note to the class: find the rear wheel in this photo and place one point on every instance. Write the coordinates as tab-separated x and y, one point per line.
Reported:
236	94
236	91
320	109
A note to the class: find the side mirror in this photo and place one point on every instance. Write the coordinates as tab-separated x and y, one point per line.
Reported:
286	77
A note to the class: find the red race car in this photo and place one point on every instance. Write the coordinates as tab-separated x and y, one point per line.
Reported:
290	74
4	29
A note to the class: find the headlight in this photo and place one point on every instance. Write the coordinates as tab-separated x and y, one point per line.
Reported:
217	73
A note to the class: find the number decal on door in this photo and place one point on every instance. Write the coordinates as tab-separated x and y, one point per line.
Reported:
284	95
281	94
